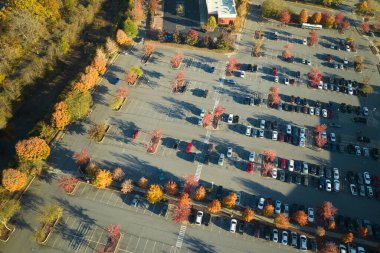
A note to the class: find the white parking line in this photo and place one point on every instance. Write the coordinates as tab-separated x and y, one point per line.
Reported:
181	235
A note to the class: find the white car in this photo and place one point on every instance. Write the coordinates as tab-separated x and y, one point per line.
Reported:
274	173
311	110
365	111
238	198
324	135
135	200
233	225
286	81
325	86
275	235
229	152
354	190
242	74
341	66
302	142
248	130
310	215
305	168
302	132
332	137
320	85
308	62
361	249
198	219
275	79
350	91
202	114
336	173
221	160
230	118
277	208
366	152
324	113
286	210
285	237
261	133
304	41
345	60
251	157
289	129
274	135
200	122
336	185
328	185
303	242
262	124
260	205
358	150
291	165
367	178
342	248
348	49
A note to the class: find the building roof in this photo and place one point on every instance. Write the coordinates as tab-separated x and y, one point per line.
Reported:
222	8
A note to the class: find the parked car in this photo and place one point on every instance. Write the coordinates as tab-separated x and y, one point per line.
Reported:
135	200
303	242
275	235
354	190
198	219
277	209
221	160
294	240
284	240
336	185
135	134
233	225
189	147
367	178
230	118
229	152
310	215
260	205
248	131
328	185
249	167
291	165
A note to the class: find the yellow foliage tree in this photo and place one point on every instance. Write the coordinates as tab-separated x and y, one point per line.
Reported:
154	194
248	214
229	201
200	193
122	38
102	179
214	206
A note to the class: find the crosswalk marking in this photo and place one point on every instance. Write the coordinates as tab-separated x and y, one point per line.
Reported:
181	235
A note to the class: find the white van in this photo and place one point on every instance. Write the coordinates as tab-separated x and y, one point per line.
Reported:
233	226
198	219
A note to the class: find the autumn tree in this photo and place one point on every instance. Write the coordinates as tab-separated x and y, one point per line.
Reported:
320	128
207	119
91	170
214	206
67	183
211	24
316	18
200	193
231	66
365	27
127	186
111	47
122	38
184	199
155	139
284	17
132	74
149	48
327	210
303	16
13	180
8	208
87	79
100	61
363	231
229	201
121	92
114	234
328	247
362	7
82	158
248	214
118	174
348	238
137	13
97	131
191	181
176	60
320	141
300	217
130	28
287	53
256	50
273	97
103	179
315	76
152	6
178	82
268	210
313	39
154	194
192	37
345	25
269	155
60	117
180	213
320	231
281	221
171	188
338	19
33	149
177	36
143	182
359	63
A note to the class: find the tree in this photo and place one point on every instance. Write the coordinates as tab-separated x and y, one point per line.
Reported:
33	149
346	24
348	238
327	210
287	53
149	48
268	210
176	60
13	180
313	39
300	217
207	40
154	194
328	247
229	201
269	155
51	213
214	206
315	76
131	77
281	221
67	183
191	181
363	231
111	47
284	17
224	41
231	66
207	119
272	8
97	131
200	193
219	110
192	37
155	138
365	27
114	234
367	88
304	16
78	104
359	63
362	7
8	209
100	61
211	24
184	199
152	6
177	36
266	168
103	178
122	92
316	18
248	214
338	19
60	117
137	14
171	188
320	141
122	38
180	213
82	158
91	170
320	128
143	182
118	174
130	28
320	231
178	82
274	98
87	79
127	186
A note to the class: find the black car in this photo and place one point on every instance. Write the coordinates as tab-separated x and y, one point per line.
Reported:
349	109
241	225
249	67
289	178
267	233
219	192
205	93
254	68
312	169
247	100
164	209
176	143
322	183
350	149
206	218
274	125
328	173
298	74
364	139
268	124
320	171
235	119
298	179
282	175
360	120
375	153
306	181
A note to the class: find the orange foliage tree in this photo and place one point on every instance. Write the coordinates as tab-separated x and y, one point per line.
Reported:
231	66
176	60
363	231
214	206
184	199
300	217
154	194
118	174
327	210
60	117
122	92
269	155
191	181
287	53
348	238
122	38
328	247
13	180
143	182
229	201
320	141
127	186
281	221
131	77
180	213
171	188
149	48
67	183
206	121
178	82
315	76
268	210
89	78
320	231
266	168
248	214
33	149
320	128
313	39
102	179
304	16
100	61
316	18
200	193
284	17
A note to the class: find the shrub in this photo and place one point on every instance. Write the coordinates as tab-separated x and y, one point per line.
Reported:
130	28
33	149
97	132
103	178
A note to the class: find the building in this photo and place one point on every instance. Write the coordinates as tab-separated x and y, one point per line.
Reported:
223	10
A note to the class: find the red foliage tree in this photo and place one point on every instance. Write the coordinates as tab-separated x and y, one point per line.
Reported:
192	37
171	188
219	110
285	17
274	98
313	39
122	92
327	210
178	81
345	25
287	53
206	121
266	169
320	141
338	19
176	60
184	199
320	128
113	237
67	183
315	76
231	66
269	155
154	140
328	247
180	213
82	158
191	181
365	27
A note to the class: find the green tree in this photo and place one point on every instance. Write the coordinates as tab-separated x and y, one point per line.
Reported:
64	44
272	8
211	23
130	28
78	104
8	208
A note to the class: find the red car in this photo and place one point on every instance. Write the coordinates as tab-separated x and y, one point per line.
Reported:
283	164
250	167
274	71
281	137
135	134
188	148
